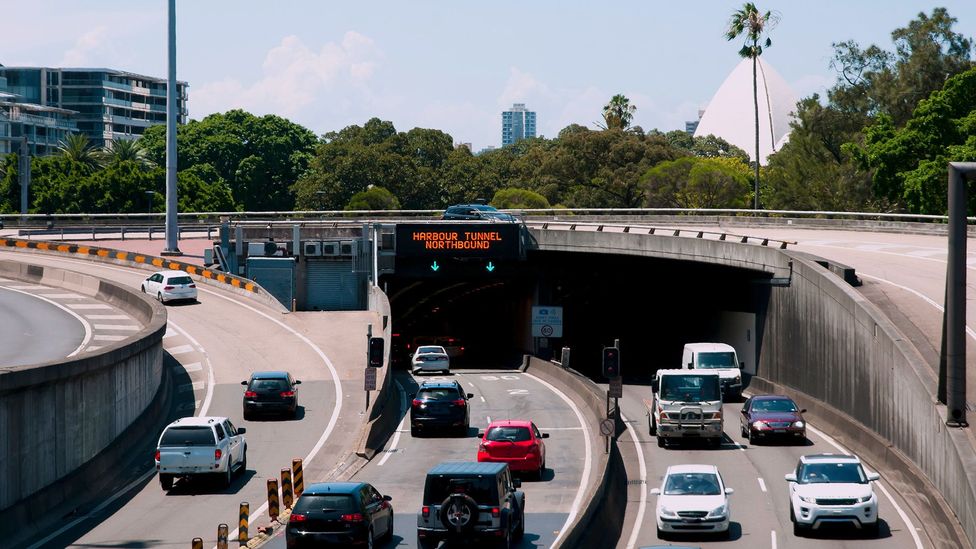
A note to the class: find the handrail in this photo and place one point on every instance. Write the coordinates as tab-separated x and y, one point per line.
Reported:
671	231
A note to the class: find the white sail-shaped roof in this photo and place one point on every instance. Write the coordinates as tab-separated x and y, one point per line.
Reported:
729	114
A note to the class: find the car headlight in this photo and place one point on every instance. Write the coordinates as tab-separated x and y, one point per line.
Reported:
865	499
665	512
759	425
720	511
798	424
808	499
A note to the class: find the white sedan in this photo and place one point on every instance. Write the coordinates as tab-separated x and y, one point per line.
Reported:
430	358
170	286
692	499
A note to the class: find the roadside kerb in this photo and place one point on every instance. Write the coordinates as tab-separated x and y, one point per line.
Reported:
210	277
605	499
66	395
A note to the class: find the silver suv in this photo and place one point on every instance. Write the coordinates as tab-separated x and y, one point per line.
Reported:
469	500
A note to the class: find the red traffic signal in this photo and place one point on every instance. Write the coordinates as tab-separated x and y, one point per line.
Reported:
611	362
376	352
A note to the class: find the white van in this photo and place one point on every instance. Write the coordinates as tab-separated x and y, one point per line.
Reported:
719	358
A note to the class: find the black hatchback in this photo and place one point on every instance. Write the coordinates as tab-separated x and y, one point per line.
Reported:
270	393
440	404
341	514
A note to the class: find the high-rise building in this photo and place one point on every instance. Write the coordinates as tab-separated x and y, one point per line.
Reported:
38	127
517	123
110	104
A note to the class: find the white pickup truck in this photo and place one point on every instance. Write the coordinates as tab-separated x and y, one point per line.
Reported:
193	446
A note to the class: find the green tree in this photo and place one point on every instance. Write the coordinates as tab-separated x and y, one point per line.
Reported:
200	188
514	198
618	113
754	25
78	149
707	146
123	150
692	182
374	198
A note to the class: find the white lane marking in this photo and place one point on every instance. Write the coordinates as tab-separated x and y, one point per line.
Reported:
396	436
103	337
87	306
62	296
180	349
643	485
969	331
206	358
191	386
108	317
587	465
772	539
124	327
489	419
30	287
762	484
192	367
84	323
561	428
482	398
901	513
169	333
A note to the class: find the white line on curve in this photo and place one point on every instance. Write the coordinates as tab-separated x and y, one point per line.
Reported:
396	436
643	485
762	484
578	500
969	331
206	358
79	318
772	539
898	509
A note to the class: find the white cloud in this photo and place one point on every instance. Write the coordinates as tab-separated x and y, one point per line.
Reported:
89	49
301	83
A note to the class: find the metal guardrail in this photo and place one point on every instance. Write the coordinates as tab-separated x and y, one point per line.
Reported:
663	231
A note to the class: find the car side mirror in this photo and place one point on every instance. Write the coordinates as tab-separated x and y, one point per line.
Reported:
742	365
654	386
803	411
873	477
790	477
387	498
244	383
481	434
516	483
545	435
655	491
744	412
470	395
298	382
729	491
412	395
689	365
241	430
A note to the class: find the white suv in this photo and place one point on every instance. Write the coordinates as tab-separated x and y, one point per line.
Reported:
832	488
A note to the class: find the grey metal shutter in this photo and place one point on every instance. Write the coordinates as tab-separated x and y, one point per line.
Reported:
274	274
331	285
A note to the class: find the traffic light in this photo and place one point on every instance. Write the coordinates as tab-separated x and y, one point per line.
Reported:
376	352
611	362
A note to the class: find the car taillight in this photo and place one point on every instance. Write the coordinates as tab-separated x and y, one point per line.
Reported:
288	393
217	454
352	517
297	518
168	287
482	447
193	286
495	511
460	402
425	511
157	455
416	402
250	394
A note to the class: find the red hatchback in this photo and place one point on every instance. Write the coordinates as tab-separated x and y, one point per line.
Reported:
515	442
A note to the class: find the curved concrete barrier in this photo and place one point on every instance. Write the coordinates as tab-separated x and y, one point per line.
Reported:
64	423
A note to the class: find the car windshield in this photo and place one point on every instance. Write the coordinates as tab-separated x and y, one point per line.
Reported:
430	349
716	360
818	473
269	384
179	280
692	484
774	405
482	489
690	388
188	436
438	393
325	502
514	434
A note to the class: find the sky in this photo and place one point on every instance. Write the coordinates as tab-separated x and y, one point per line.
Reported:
453	66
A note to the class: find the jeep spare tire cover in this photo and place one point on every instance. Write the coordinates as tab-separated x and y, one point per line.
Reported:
459	513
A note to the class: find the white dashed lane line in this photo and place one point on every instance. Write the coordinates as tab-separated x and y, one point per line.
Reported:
87	306
108	317
123	327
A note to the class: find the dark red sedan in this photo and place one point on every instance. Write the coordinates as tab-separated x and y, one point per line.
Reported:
768	416
517	443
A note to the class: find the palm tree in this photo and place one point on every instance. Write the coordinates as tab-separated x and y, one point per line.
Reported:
121	150
753	24
78	149
618	113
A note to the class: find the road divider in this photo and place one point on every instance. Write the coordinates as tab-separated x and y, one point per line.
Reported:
242	522
286	487
273	498
298	475
221	536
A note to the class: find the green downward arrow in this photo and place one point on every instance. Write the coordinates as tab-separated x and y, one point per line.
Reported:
490	267
434	267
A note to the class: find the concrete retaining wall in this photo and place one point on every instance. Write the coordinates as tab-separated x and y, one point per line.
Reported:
56	417
383	413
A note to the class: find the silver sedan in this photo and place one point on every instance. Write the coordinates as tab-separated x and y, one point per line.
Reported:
430	358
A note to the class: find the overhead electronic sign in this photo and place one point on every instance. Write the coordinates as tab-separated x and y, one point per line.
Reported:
461	240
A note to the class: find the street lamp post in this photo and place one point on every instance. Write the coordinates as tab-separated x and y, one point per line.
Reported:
150	195
172	112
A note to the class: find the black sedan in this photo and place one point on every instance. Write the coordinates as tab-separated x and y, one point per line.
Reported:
339	514
270	393
767	416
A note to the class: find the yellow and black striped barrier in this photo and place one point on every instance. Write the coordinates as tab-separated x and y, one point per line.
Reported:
197	543
273	498
242	536
286	487
221	536
109	253
296	473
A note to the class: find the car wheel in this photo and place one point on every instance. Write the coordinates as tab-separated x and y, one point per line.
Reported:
244	461
143	288
716	442
227	478
661	534
424	543
414	432
166	482
159	297
506	542
248	416
652	430
389	531
752	437
873	529
798	530
369	539
520	531
661	442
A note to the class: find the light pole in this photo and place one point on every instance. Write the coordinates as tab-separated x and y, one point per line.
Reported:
150	195
172	112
